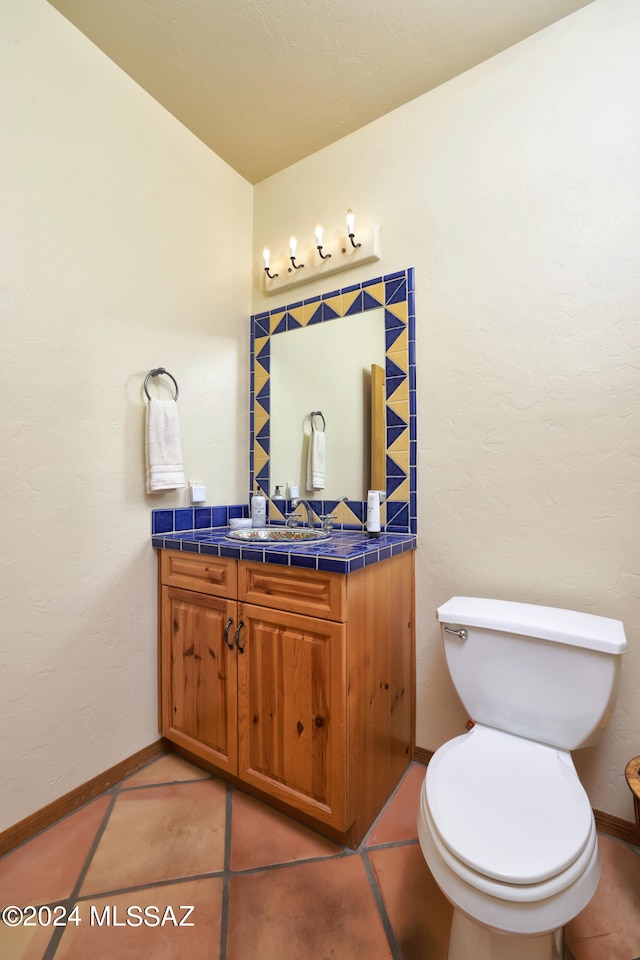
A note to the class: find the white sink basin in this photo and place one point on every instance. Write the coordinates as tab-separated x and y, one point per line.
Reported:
278	535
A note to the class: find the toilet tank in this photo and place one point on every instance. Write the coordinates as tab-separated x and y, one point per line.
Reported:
539	672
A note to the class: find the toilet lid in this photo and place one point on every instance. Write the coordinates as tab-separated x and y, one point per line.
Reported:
509	808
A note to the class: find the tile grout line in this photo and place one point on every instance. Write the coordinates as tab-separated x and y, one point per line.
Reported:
380	906
163	783
149	885
389	801
216	875
285	864
408	842
224	907
58	933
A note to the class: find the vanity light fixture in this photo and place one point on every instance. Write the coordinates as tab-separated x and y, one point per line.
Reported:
347	254
319	234
266	253
350	224
293	244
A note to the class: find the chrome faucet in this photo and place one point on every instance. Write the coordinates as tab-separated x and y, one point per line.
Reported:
296	503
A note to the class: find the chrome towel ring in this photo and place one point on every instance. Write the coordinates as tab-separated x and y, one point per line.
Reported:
156	373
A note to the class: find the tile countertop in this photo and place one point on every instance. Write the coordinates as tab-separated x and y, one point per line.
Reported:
346	551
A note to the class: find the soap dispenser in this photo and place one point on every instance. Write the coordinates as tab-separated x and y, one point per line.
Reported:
258	510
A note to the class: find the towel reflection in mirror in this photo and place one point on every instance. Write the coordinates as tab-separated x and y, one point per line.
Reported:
316	453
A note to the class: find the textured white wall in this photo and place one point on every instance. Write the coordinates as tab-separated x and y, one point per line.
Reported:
126	245
514	191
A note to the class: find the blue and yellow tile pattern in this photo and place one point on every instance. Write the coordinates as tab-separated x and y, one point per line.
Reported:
394	292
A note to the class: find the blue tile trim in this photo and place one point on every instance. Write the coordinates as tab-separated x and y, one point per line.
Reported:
209	548
344	553
272	556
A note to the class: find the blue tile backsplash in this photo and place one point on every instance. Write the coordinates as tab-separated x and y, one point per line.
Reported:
195	518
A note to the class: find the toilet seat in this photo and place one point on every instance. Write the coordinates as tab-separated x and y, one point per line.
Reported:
525	894
508	812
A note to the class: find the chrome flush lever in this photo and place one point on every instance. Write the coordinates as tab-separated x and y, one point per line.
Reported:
459	633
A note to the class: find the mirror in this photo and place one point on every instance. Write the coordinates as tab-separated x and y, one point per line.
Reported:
325	367
339	336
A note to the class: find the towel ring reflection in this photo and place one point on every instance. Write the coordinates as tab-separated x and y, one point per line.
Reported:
317	413
156	373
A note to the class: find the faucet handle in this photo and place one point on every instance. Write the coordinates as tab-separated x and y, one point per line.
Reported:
290	520
327	521
328	518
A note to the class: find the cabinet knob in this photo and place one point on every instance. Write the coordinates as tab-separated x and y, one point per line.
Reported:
237	637
226	633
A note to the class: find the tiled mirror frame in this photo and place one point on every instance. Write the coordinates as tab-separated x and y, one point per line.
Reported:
394	292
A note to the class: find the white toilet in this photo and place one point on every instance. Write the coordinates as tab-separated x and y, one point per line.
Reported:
504	823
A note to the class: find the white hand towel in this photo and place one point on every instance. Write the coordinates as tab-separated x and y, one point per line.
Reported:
316	467
164	451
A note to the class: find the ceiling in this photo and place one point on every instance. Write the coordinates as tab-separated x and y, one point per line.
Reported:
265	83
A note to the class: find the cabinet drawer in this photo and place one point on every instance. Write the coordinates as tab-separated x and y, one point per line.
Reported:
311	592
214	575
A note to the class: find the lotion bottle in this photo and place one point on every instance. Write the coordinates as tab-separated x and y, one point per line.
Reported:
373	513
258	510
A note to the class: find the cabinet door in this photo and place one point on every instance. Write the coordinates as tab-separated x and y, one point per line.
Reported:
199	675
291	710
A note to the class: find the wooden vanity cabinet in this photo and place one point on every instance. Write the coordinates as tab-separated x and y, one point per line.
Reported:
297	683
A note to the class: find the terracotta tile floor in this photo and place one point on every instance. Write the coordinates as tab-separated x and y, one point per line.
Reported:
261	887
